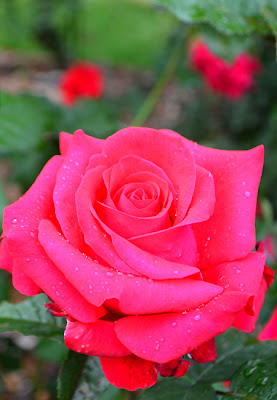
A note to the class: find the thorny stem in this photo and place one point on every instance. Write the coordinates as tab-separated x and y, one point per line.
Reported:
165	77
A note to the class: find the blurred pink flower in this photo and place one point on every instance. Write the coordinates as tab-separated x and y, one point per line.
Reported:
231	80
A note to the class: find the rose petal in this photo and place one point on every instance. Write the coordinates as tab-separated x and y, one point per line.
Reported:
169	154
22	282
98	283
148	264
204	353
134	169
230	233
127	225
129	372
97	339
21	233
243	275
246	320
176	244
174	368
6	259
269	332
203	200
69	176
147	207
65	142
95	237
163	337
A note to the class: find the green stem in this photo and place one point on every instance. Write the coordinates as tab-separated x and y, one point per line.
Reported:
162	82
130	395
243	396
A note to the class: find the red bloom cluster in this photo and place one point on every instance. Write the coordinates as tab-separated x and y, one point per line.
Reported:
231	80
81	80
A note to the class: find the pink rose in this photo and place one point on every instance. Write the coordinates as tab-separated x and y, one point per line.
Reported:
144	242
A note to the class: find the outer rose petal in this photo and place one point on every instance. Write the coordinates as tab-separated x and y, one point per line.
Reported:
129	372
29	256
65	142
22	282
176	368
247	321
204	353
150	145
163	337
69	178
270	330
230	232
98	283
97	339
6	259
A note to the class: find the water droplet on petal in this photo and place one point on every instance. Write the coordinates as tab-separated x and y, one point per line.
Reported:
247	194
197	317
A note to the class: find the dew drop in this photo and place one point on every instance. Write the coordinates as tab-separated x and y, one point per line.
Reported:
157	346
176	272
197	317
238	271
32	234
109	273
247	194
174	323
14	221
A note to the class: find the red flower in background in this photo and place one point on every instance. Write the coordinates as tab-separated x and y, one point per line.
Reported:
231	80
81	80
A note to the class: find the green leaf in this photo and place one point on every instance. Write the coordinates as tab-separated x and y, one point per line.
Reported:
178	389
24	119
230	17
51	350
95	118
233	357
31	318
92	384
257	379
70	374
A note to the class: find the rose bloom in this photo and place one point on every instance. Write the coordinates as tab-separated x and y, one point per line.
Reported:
144	242
230	80
81	80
